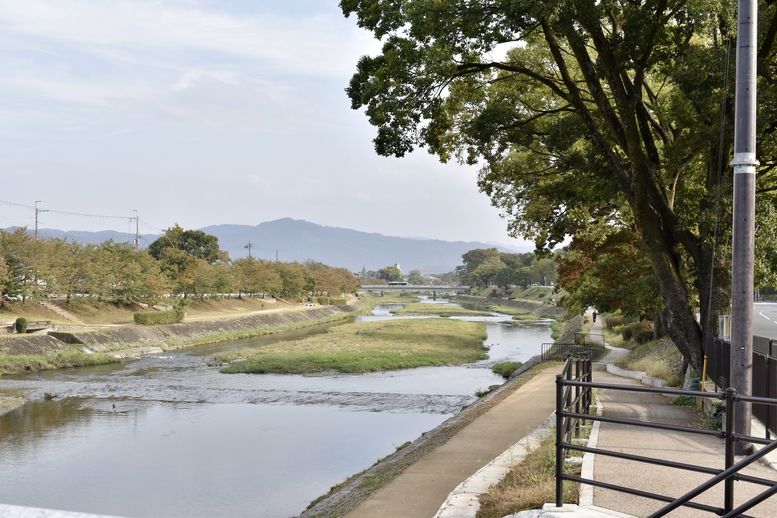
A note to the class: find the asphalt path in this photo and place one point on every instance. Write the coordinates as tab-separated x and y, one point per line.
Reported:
765	319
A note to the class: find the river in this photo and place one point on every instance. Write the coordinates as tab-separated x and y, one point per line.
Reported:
167	435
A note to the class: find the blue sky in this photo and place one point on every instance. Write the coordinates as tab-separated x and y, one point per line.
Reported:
204	112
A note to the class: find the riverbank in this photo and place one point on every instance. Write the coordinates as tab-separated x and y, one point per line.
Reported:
348	495
172	336
541	309
133	340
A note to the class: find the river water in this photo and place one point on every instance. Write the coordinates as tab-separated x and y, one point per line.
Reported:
167	435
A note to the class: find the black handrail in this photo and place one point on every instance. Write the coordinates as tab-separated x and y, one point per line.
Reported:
571	411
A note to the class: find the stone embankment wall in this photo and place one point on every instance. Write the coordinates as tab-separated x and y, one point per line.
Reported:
165	336
539	309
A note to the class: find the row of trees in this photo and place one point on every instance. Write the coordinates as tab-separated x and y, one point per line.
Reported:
489	266
182	262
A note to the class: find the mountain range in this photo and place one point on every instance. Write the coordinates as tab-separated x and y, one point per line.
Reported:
297	240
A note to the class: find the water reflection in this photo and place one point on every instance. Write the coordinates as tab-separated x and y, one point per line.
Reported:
185	440
165	459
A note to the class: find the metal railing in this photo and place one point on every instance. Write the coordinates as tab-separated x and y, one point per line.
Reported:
559	351
574	389
718	355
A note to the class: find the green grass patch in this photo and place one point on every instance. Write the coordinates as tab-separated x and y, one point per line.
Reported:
684	401
441	310
73	358
366	347
506	369
372	299
516	313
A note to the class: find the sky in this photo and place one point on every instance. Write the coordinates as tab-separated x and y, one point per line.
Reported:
207	112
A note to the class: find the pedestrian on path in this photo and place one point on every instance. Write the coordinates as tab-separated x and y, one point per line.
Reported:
594	315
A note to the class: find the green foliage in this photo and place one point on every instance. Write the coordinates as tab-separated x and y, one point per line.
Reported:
20	325
324	301
338	301
484	266
613	321
643	332
416	277
154	318
506	369
391	274
583	118
193	243
606	268
640	332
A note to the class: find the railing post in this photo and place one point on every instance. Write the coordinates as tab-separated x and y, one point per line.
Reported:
568	400
578	370
728	499
589	396
560	453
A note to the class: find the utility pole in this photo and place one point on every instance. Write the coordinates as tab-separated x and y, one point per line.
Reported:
37	211
137	229
276	254
744	165
249	246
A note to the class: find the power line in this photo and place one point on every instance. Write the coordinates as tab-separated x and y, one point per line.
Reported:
17	204
67	213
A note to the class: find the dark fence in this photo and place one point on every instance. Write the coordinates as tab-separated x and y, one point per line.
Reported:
718	353
559	352
573	388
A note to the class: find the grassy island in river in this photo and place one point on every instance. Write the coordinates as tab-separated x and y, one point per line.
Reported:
367	347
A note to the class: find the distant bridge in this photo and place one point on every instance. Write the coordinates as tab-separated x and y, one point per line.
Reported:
411	287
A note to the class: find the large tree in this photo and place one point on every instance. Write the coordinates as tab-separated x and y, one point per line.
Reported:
194	243
581	112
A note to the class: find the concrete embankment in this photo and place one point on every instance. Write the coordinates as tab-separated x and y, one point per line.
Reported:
168	336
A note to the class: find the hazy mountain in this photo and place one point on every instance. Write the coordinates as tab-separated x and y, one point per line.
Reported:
296	240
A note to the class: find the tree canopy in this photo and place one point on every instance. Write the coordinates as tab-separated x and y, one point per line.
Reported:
581	113
193	243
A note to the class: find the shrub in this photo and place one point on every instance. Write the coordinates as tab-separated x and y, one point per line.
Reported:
20	325
614	321
338	302
155	318
323	301
643	332
627	332
506	369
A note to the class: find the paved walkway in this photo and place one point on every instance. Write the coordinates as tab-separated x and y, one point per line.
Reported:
421	489
429	488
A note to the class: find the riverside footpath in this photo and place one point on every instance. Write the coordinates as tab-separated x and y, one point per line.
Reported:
446	482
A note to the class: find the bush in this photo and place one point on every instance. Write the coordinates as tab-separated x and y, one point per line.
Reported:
20	325
614	321
155	318
627	332
643	332
640	332
506	369
338	302
323	301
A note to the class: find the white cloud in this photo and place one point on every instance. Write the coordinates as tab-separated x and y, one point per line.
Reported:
208	111
162	32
